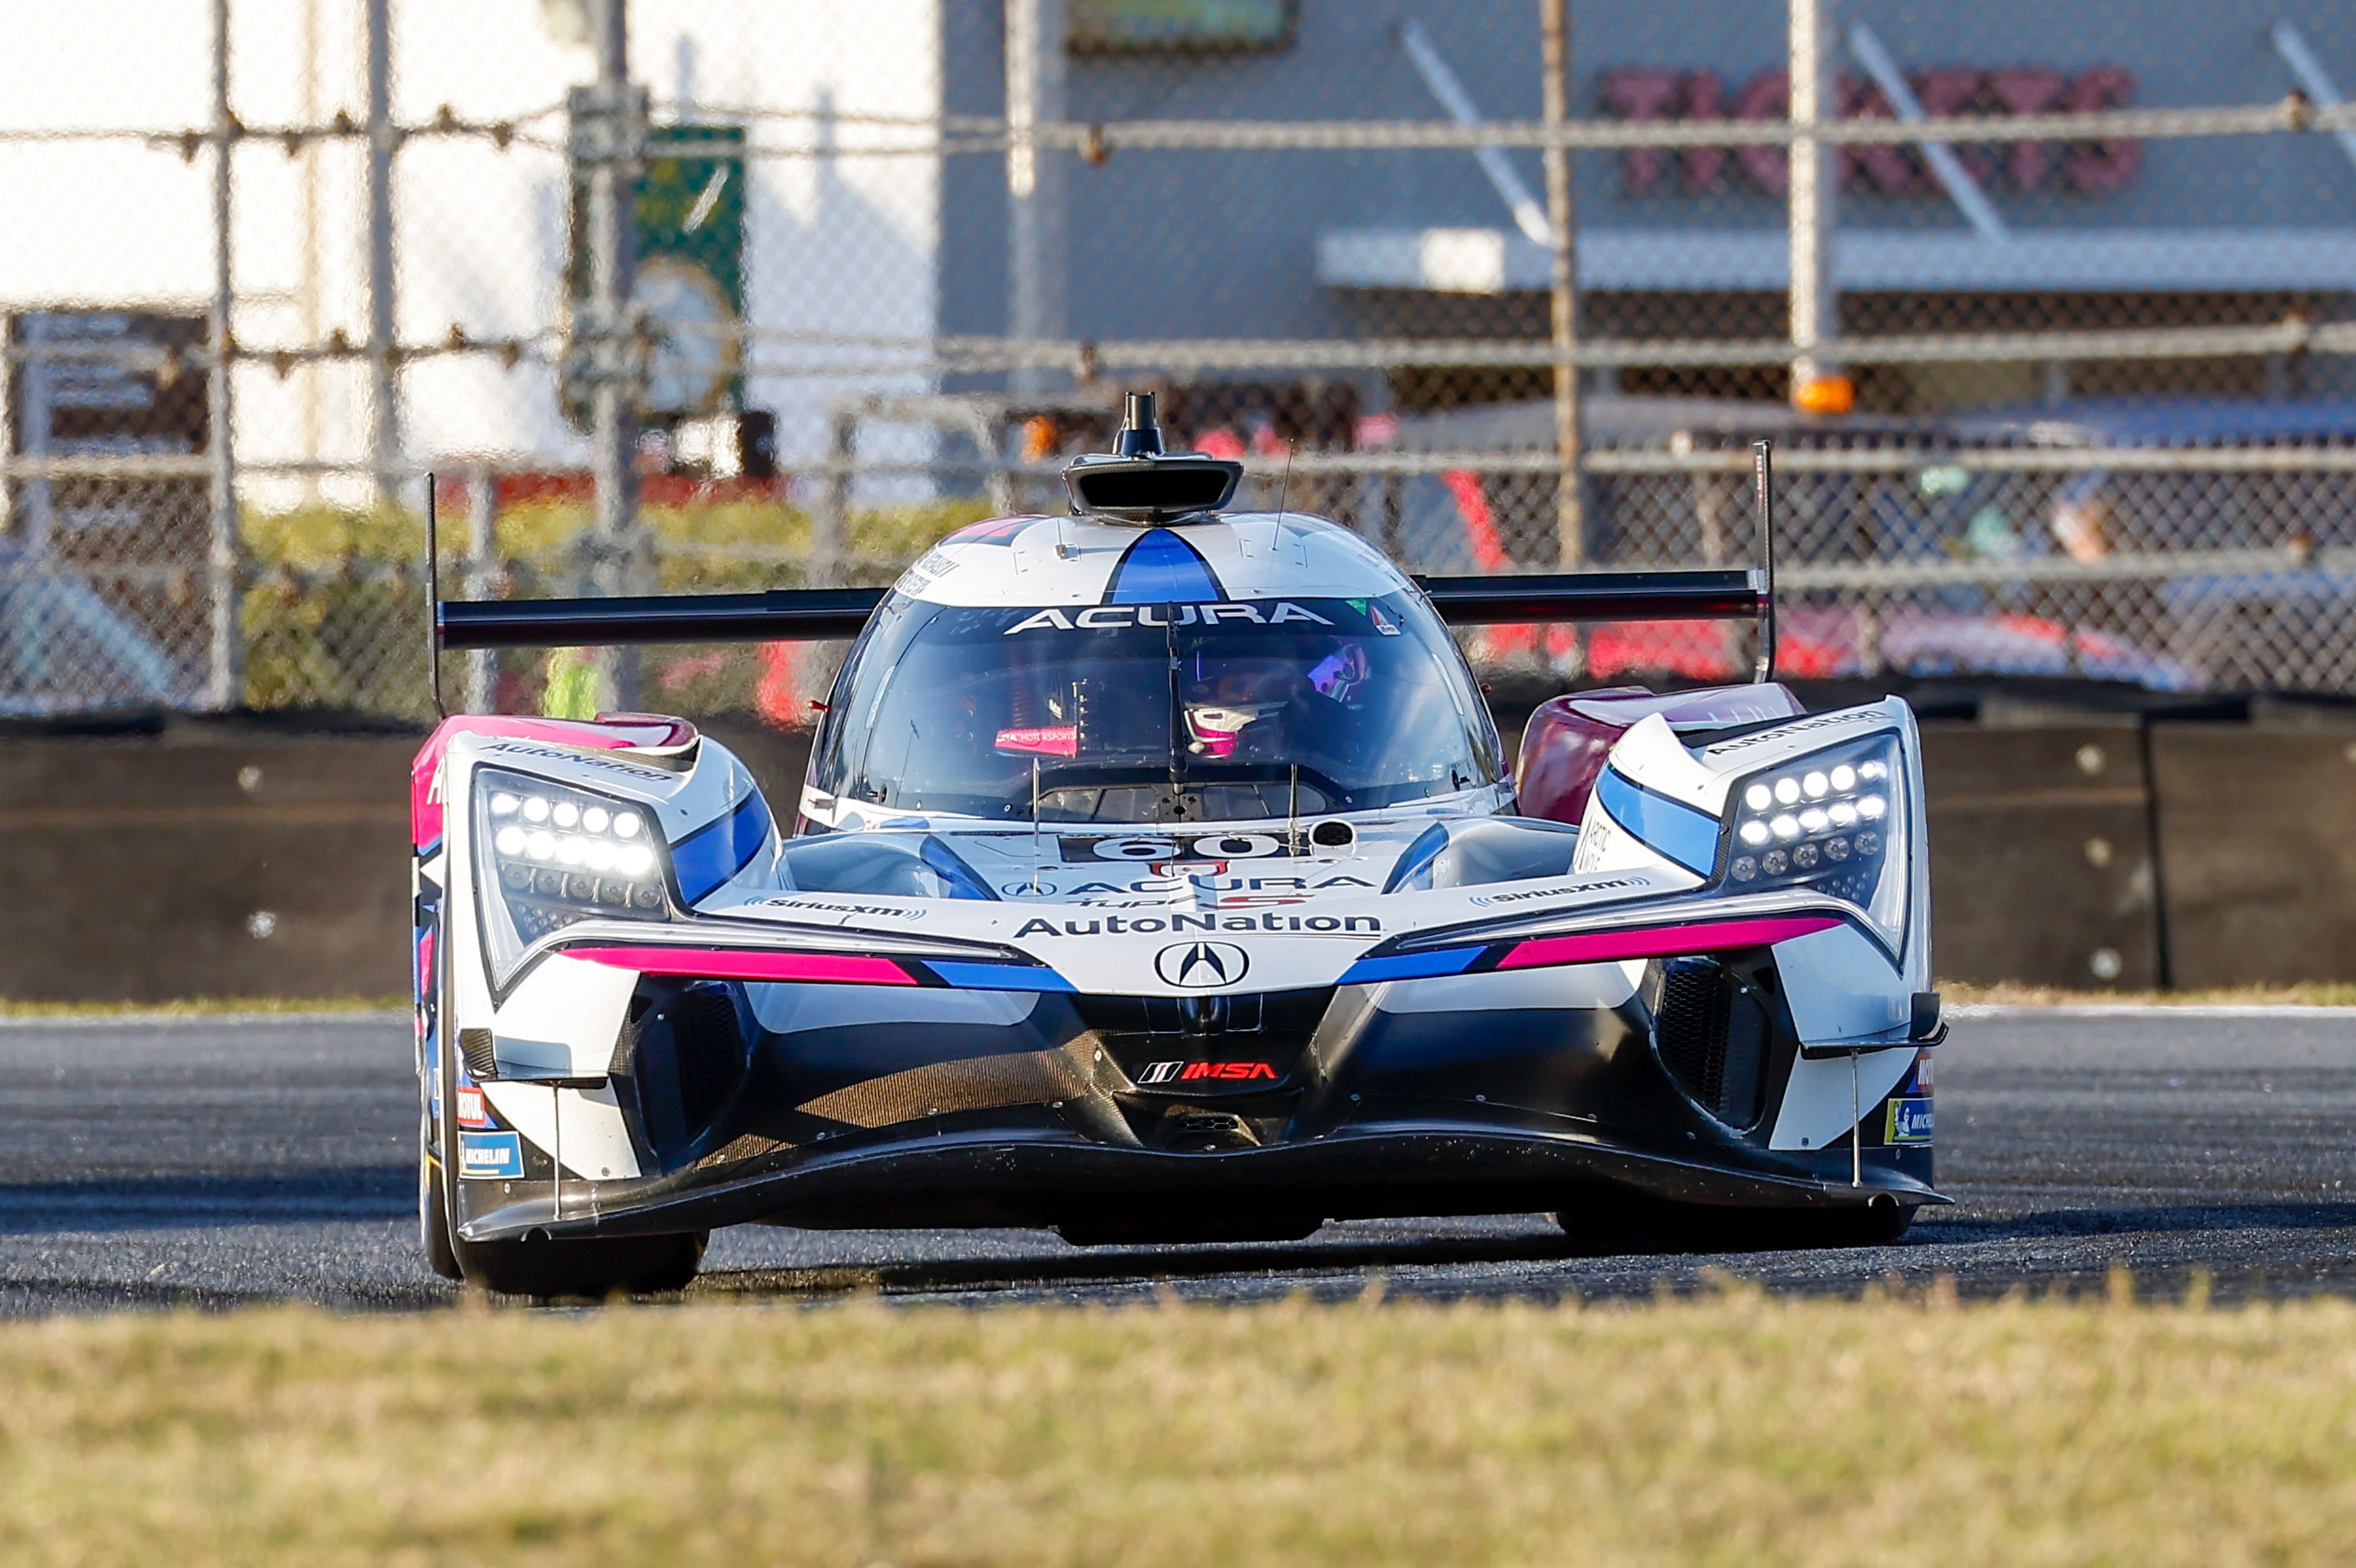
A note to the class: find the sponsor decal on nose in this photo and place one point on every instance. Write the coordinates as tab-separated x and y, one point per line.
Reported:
1156	1073
490	1155
1228	1070
1909	1121
1200	964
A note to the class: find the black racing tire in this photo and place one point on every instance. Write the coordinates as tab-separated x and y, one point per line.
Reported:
591	1271
434	1223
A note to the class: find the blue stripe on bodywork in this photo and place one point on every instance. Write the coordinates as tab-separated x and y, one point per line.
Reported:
1413	871
1161	568
720	849
1685	835
1409	966
998	976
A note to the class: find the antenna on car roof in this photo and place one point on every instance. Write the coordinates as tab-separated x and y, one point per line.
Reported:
433	598
1762	481
1140	434
1138	482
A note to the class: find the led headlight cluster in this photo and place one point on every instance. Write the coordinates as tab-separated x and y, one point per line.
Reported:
1817	816
555	856
1834	822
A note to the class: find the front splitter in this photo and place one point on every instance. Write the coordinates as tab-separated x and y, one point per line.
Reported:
1397	1170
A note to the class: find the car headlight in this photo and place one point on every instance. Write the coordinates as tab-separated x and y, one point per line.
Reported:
549	855
1834	822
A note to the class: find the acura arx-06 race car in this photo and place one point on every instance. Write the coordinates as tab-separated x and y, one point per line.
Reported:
1159	875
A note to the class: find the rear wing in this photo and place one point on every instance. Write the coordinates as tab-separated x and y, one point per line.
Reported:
790	615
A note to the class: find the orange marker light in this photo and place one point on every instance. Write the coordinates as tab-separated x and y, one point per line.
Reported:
1825	394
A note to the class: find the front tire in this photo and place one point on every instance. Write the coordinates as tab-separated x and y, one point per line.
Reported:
434	1221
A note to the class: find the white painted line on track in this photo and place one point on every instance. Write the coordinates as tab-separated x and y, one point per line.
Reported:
144	1020
2148	1010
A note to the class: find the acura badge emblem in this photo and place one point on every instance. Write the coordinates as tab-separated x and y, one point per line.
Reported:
1201	964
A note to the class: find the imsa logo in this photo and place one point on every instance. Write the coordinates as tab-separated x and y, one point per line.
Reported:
1189	1072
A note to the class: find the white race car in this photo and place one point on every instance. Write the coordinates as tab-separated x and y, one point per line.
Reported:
1158	876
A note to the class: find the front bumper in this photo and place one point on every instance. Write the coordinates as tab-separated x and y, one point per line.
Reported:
1098	1112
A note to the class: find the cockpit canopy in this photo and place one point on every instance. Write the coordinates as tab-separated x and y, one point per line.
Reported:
1146	713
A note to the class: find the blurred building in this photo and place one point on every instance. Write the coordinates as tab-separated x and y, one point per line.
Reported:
861	242
839	248
1691	244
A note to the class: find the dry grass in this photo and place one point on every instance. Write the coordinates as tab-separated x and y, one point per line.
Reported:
203	1007
1726	1430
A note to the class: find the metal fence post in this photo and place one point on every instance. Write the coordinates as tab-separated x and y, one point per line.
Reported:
831	519
384	414
1035	183
481	578
1569	509
225	687
1818	384
613	278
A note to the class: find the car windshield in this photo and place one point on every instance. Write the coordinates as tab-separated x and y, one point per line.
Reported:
1155	712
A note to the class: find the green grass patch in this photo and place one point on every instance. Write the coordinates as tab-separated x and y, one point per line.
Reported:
1738	1428
333	618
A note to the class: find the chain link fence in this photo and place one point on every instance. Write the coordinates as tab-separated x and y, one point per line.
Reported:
2048	308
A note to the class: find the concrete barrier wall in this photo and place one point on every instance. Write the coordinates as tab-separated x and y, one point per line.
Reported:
150	868
2100	852
2257	843
221	861
2041	863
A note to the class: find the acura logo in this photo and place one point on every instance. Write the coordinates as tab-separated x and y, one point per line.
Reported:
1201	964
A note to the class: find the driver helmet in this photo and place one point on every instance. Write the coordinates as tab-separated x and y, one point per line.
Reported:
1226	697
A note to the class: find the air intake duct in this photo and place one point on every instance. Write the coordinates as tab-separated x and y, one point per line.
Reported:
1711	1028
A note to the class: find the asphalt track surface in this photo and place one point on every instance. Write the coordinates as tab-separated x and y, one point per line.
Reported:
217	1163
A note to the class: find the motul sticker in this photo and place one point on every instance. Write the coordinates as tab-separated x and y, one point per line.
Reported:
472	1110
1910	1122
490	1155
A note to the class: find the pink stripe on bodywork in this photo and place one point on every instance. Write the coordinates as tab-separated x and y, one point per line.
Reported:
1663	941
744	963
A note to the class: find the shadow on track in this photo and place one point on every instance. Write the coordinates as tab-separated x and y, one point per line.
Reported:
1953	1228
1984	1256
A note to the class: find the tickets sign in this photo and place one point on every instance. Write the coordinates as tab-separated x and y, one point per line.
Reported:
2097	168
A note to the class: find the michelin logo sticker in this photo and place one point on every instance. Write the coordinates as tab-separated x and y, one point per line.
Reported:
1909	1121
490	1155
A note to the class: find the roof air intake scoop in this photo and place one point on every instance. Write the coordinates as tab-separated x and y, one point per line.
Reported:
1137	481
